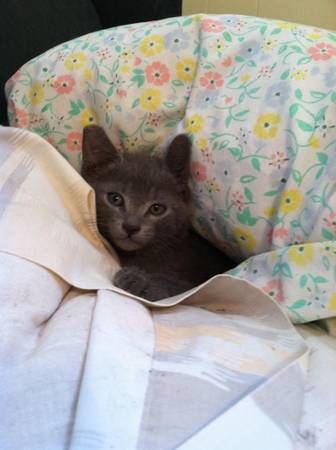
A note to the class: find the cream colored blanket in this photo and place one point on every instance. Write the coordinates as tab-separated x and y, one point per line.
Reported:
84	365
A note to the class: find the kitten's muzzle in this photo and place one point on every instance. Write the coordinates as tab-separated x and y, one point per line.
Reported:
131	228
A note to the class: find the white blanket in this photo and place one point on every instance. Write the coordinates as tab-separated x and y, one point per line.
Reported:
84	365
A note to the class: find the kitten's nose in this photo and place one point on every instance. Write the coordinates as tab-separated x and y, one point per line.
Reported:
130	228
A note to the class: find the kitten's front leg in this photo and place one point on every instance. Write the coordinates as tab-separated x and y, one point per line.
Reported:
132	280
152	287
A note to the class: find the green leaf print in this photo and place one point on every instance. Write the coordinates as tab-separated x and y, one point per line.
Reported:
245	218
297	176
323	158
298	304
138	79
248	194
326	263
285	74
135	103
303	281
276	31
282	269
235	151
305	126
247	179
256	164
328	235
227	36
271	193
320	279
46	107
293	109
333	97
187	22
298	94
103	79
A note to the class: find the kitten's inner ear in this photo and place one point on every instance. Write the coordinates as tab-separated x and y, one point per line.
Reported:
97	150
178	158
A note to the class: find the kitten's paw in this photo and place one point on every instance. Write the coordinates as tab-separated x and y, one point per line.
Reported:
132	280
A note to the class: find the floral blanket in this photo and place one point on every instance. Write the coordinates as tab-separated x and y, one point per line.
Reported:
258	99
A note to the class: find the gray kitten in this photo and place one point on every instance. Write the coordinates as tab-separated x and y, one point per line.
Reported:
143	209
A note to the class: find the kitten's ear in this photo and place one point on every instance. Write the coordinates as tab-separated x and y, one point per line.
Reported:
178	158
97	151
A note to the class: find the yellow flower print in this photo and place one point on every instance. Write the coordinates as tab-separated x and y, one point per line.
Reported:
36	93
88	74
185	69
329	249
152	45
202	143
213	185
269	45
286	25
89	117
244	238
301	255
314	36
245	77
194	123
75	61
332	301
299	75
197	17
267	126
270	211
218	45
125	68
314	142
290	201
151	99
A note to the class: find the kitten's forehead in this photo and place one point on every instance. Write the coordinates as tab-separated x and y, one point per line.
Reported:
139	176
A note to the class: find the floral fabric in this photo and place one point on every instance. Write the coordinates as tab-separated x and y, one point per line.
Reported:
258	99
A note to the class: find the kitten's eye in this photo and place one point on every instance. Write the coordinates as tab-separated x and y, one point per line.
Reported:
115	199
157	210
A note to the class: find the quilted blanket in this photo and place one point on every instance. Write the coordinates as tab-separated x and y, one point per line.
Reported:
258	99
85	365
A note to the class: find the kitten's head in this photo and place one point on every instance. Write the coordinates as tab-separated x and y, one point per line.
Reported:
143	201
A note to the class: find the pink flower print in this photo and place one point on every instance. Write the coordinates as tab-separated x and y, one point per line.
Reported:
198	171
74	141
330	221
64	84
153	120
157	73
104	53
278	159
274	289
137	61
212	26
266	71
322	51
227	62
280	232
238	200
228	100
51	141
121	93
212	80
21	118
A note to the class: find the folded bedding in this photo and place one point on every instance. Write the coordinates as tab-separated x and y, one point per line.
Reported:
83	364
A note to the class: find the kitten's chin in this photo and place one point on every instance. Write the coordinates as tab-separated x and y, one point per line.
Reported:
128	245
